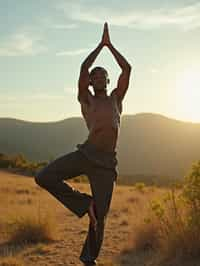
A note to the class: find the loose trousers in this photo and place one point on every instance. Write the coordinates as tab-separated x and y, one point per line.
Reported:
99	167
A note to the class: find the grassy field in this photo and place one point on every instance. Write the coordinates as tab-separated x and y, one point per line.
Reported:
60	235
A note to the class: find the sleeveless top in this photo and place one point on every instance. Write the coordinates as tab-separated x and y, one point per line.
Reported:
101	113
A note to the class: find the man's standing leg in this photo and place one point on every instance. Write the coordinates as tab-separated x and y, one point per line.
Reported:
52	179
102	183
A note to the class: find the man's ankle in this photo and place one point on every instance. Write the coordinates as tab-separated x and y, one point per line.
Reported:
92	214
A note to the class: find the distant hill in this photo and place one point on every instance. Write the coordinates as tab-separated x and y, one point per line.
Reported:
149	144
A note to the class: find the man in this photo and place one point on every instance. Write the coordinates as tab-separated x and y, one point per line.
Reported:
96	157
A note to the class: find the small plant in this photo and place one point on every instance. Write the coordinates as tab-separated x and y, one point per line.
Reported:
140	186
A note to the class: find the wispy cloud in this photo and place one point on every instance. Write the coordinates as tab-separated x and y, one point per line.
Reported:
64	26
56	24
20	44
73	52
185	17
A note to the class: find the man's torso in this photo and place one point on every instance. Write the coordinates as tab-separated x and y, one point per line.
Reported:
102	116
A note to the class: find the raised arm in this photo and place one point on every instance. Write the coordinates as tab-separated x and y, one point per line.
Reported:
84	80
124	77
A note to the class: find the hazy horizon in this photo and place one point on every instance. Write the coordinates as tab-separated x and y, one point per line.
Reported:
80	116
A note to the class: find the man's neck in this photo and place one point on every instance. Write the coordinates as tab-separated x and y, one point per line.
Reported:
102	94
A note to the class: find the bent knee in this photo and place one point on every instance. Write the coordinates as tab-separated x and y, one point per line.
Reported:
40	180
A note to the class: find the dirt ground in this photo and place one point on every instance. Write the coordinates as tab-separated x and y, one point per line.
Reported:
20	195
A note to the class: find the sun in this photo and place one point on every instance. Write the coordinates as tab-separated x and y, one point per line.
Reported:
188	95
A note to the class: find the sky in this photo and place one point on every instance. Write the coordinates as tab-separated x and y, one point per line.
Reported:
43	43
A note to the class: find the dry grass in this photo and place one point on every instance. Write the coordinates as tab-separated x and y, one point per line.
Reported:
11	261
28	228
146	237
31	214
164	233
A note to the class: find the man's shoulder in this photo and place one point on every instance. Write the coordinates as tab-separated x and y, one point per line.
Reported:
115	95
85	98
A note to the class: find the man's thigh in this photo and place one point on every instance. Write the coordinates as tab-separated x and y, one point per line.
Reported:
64	167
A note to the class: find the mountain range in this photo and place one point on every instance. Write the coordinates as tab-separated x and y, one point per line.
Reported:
149	144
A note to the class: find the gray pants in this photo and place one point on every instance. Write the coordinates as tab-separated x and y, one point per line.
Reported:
101	172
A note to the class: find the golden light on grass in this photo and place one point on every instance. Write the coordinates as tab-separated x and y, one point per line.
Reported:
31	228
11	261
134	235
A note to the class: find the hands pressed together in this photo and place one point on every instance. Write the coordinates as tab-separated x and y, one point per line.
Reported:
105	41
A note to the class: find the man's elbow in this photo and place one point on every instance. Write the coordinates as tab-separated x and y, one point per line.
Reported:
128	68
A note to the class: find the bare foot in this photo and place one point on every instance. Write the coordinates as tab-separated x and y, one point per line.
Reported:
92	216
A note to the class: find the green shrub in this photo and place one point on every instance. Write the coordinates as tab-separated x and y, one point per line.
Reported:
20	162
191	193
176	217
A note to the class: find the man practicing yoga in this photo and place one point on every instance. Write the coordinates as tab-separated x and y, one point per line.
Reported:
96	157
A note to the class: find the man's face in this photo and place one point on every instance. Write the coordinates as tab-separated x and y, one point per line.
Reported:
99	80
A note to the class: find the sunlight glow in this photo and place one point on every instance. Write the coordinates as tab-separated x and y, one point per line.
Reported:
188	95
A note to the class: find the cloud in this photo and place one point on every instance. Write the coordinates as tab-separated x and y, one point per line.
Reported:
54	23
73	52
64	26
20	44
185	17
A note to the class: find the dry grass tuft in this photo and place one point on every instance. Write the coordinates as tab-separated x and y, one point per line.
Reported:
124	223
11	261
29	228
41	249
146	236
132	200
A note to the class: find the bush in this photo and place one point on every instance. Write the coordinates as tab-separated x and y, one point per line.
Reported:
191	193
20	162
175	219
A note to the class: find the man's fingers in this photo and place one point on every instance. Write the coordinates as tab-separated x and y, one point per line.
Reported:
105	37
106	27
